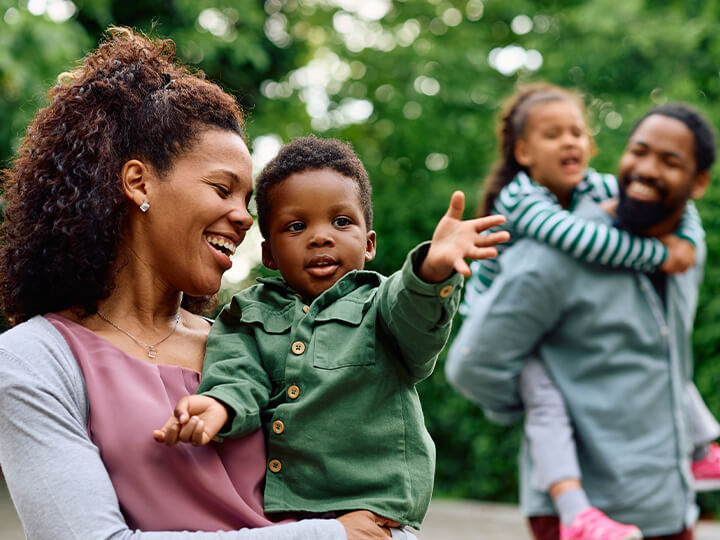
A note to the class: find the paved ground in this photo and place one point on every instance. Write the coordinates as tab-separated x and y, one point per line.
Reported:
446	520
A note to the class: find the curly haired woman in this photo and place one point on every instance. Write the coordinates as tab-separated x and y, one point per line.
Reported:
123	205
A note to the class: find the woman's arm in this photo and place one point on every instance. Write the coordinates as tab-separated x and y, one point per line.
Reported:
55	474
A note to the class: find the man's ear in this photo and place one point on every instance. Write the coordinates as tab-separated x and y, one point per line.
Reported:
370	246
522	156
134	177
267	256
700	185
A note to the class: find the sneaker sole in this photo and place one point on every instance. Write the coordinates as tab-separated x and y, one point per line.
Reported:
710	484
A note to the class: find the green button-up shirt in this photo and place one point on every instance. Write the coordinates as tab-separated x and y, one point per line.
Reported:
333	385
619	356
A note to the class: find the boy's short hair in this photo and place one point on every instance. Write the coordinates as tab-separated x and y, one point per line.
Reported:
700	127
307	154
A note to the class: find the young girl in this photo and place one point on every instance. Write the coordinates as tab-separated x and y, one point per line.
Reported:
545	148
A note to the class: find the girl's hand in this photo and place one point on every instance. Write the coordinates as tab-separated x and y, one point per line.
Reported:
681	255
455	240
197	420
365	525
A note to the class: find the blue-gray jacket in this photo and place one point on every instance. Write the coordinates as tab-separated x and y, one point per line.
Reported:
620	358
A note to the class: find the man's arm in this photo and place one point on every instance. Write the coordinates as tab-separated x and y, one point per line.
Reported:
505	326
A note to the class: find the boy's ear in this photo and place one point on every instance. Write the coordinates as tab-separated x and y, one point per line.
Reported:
267	257
521	153
700	184
370	247
134	177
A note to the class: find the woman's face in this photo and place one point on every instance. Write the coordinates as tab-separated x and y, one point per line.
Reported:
198	213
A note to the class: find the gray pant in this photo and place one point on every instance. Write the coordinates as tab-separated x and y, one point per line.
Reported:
549	430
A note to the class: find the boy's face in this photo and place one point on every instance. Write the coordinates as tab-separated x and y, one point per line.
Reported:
317	231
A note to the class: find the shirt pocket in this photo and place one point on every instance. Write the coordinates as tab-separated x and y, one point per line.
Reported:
272	331
344	336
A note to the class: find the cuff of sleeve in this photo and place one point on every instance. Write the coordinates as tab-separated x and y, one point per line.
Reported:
686	237
239	418
447	290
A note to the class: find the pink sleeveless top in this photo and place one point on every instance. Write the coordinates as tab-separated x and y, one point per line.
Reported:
208	488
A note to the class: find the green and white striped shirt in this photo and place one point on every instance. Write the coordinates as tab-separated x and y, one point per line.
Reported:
533	210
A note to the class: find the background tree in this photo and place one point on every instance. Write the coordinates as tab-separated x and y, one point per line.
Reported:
415	86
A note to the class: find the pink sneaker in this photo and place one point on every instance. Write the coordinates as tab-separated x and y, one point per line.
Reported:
707	470
592	524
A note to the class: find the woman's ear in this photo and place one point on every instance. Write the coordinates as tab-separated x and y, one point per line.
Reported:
370	247
134	177
267	256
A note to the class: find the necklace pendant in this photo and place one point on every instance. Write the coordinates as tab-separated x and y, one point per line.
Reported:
152	353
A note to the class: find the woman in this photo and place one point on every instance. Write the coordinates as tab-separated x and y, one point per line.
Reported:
122	208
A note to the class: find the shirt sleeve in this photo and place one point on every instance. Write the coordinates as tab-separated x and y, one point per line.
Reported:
233	372
533	212
690	227
501	332
55	474
418	315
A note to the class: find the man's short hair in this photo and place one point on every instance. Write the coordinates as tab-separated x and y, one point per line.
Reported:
701	129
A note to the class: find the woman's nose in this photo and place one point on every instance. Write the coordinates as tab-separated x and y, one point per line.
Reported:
240	216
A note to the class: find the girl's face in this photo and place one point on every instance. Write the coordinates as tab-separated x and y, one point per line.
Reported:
555	147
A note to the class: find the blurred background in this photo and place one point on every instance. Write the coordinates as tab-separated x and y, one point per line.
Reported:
415	86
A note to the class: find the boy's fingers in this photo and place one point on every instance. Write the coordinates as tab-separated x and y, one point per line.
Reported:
182	410
487	222
188	429
492	238
461	267
457	205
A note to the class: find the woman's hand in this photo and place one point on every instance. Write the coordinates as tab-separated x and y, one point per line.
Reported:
455	240
197	420
365	525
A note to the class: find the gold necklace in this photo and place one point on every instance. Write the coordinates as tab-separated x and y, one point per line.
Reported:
152	351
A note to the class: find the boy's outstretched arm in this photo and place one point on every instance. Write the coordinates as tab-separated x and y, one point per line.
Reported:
455	240
197	419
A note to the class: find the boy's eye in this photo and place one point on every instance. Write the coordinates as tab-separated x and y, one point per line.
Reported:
341	222
296	226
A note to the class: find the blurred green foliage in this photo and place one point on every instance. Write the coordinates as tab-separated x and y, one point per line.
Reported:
410	84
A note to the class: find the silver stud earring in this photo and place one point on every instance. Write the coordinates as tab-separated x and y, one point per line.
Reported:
144	206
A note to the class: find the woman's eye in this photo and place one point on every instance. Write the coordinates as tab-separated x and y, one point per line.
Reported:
296	226
222	190
342	222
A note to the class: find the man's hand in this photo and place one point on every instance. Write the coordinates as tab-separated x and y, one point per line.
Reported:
455	240
197	420
681	255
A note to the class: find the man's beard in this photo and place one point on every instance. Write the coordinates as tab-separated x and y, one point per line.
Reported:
638	216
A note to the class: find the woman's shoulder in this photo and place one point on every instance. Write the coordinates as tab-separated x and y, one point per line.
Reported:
34	353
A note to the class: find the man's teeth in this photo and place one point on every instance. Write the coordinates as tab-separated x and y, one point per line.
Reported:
223	244
643	189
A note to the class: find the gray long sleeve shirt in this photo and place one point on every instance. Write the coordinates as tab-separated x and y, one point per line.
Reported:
620	358
56	477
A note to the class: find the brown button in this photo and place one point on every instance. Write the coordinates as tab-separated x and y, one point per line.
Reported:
297	295
298	347
275	465
306	308
293	391
278	426
446	291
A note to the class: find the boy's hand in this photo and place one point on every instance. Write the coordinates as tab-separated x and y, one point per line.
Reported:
455	240
681	255
197	420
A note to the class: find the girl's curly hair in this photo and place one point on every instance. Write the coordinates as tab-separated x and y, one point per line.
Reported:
511	127
64	206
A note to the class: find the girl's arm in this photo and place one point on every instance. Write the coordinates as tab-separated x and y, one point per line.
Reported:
533	211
